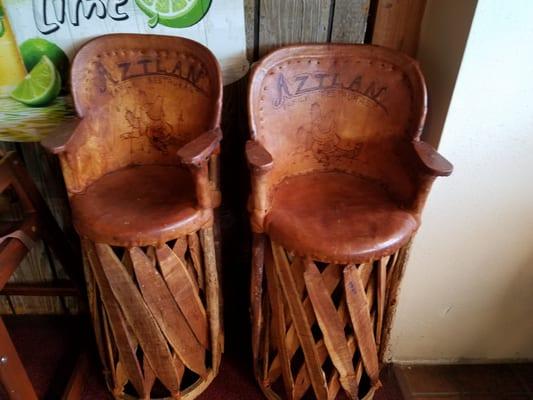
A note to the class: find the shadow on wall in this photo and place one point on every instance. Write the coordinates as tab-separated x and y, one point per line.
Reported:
440	52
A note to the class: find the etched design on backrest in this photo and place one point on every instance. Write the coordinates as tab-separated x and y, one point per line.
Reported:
337	107
142	97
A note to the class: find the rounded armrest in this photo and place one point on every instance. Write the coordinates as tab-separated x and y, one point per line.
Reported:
433	163
198	150
260	162
57	141
195	155
258	157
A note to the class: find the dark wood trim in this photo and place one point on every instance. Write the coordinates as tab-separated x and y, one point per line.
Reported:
57	288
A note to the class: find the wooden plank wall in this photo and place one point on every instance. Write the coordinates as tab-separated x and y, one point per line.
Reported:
40	265
269	24
274	23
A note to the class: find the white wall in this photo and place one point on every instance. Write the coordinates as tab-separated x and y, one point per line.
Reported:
468	289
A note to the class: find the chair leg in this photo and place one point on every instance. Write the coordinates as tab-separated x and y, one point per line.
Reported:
256	291
323	324
77	380
213	296
13	376
156	315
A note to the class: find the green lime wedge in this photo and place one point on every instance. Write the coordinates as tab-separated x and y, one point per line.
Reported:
33	49
41	86
174	13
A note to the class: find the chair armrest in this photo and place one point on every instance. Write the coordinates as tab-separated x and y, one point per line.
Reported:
260	162
57	141
429	164
433	163
197	151
258	157
195	155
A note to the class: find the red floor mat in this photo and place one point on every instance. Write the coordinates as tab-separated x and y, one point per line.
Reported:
47	347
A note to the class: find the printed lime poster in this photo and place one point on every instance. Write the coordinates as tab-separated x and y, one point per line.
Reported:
38	38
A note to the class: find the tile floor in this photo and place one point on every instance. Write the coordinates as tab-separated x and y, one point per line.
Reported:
466	382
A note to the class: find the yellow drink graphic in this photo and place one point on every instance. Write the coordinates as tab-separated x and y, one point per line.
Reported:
12	69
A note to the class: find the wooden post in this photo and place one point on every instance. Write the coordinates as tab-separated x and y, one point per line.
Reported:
12	373
397	24
213	296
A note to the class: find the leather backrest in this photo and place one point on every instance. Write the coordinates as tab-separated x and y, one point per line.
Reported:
141	98
352	108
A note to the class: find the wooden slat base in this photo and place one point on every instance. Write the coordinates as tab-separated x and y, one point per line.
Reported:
318	328
156	316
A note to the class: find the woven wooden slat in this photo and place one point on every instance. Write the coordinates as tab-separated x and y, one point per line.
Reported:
150	254
331	275
125	345
196	255
332	328
334	383
139	317
301	323
109	349
184	291
181	246
297	267
149	376
362	324
167	314
127	263
121	379
178	364
278	318
346	351
302	379
213	297
381	277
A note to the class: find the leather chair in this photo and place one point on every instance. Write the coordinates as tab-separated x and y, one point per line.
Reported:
339	181
140	166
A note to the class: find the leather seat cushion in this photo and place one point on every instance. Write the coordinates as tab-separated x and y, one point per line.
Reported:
337	217
139	205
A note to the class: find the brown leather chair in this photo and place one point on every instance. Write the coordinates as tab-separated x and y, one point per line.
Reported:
140	166
339	180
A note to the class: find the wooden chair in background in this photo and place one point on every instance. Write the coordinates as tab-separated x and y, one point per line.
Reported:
141	172
339	180
16	240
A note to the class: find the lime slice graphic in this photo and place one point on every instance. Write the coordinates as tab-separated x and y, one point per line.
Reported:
174	13
41	86
33	49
